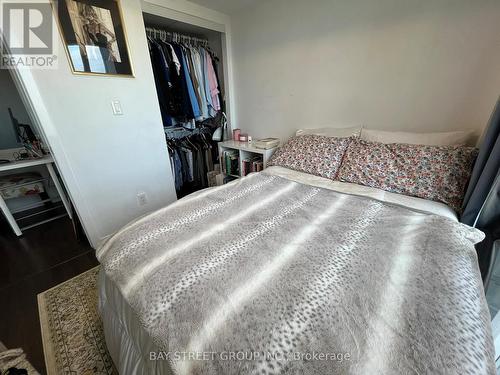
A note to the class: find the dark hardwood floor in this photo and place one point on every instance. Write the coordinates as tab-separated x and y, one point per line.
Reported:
42	258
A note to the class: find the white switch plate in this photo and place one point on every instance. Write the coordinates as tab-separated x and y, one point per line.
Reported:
142	198
117	107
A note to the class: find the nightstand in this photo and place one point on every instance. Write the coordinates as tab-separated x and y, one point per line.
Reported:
237	159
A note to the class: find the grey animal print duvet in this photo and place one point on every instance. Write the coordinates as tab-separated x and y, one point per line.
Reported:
271	276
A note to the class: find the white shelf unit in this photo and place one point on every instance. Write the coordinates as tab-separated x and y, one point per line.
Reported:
245	150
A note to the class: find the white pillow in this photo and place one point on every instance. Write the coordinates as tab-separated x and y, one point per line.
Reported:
429	139
332	132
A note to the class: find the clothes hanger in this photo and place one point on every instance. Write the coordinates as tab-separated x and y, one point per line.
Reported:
205	141
188	138
149	34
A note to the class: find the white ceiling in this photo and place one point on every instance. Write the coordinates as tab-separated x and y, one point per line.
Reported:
226	6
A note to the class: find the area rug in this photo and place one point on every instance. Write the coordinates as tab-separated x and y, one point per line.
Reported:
15	358
72	333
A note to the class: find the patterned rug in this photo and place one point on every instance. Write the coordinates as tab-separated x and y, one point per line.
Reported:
72	333
15	358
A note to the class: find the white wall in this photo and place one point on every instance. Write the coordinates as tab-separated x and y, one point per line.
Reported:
106	160
419	65
9	98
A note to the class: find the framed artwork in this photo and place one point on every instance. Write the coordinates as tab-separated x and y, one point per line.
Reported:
93	35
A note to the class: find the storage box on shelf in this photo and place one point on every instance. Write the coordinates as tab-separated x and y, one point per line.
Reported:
237	159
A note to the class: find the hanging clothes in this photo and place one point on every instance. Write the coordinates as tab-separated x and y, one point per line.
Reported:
192	160
184	86
213	83
162	81
178	177
190	100
200	79
215	62
186	82
195	109
176	97
208	95
194	80
171	85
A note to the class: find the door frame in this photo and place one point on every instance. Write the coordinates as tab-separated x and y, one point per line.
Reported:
41	121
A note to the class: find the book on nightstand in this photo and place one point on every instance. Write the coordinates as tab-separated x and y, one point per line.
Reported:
231	162
266	143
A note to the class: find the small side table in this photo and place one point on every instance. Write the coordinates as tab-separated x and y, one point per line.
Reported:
245	151
15	165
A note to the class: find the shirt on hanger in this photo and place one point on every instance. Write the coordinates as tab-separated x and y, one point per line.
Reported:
162	81
198	71
194	78
184	86
212	81
175	59
192	96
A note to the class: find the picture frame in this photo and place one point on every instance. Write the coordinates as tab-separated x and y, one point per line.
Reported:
94	37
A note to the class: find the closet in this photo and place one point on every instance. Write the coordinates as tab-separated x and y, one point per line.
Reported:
31	193
187	62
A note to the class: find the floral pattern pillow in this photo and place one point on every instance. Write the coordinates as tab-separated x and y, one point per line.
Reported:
438	173
314	154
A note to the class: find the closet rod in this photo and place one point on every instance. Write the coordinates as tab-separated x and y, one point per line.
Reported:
156	33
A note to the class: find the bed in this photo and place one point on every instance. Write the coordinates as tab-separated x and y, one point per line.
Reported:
286	272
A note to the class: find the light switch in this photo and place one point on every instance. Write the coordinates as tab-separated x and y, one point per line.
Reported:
117	107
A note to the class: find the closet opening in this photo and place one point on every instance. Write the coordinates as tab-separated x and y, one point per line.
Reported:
31	191
187	62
